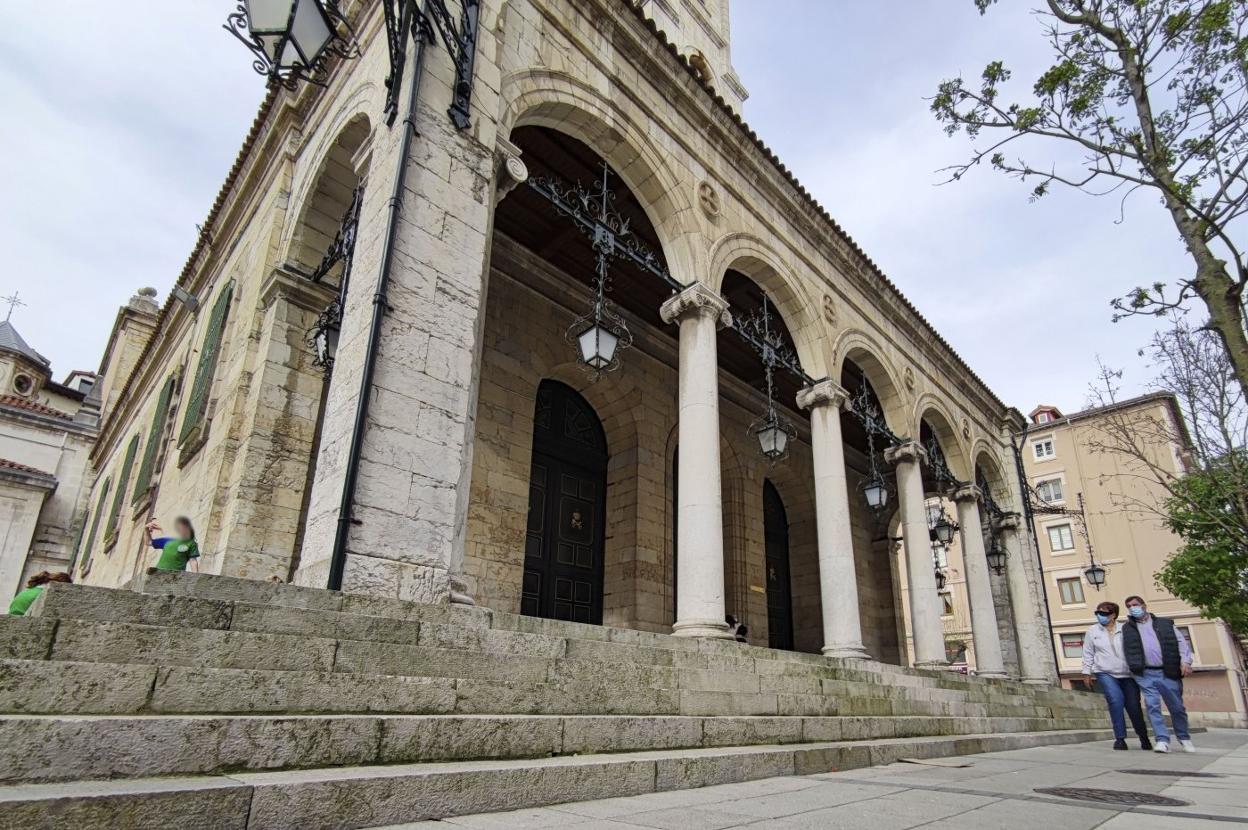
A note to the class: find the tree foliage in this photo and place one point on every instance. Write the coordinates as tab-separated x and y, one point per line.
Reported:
1153	95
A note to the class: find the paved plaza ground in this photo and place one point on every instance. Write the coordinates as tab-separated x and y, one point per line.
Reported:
995	790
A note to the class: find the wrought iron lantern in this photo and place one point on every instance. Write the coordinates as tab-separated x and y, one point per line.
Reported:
599	336
292	40
942	530
875	489
772	430
941	579
995	555
323	337
1095	574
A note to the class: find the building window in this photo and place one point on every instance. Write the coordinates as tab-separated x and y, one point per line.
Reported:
148	465
1043	449
946	603
95	526
1071	591
1187	635
1060	538
197	402
1050	489
1043	418
22	384
1072	646
119	500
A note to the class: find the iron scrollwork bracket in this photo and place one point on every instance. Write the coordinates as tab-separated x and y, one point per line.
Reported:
342	45
403	16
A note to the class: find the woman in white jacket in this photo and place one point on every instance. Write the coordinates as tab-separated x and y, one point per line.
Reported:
1103	659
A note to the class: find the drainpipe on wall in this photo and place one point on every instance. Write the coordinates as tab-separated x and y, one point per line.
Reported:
338	559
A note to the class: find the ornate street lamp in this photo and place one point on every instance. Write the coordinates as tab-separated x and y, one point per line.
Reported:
602	334
995	555
1095	574
942	530
875	489
940	579
292	40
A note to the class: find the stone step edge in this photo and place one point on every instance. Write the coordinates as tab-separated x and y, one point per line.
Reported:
568	665
58	594
358	797
226	588
139	746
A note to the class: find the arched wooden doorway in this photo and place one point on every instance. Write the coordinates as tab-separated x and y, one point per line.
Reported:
563	555
779	589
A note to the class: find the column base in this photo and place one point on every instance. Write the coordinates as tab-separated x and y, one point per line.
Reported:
459	592
713	629
935	665
846	652
1038	681
993	675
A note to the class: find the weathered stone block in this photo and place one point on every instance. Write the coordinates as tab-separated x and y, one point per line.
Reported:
721	767
84	602
36	686
750	731
330	624
211	586
360	657
454	738
588	734
151	804
25	638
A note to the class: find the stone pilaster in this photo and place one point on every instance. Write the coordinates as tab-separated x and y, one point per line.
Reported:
988	661
700	608
838	580
1035	651
929	639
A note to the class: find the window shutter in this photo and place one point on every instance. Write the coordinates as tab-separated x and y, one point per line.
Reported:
146	468
95	524
119	499
197	402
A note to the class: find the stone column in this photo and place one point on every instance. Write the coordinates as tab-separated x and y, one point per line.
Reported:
700	606
1035	651
929	638
838	580
988	660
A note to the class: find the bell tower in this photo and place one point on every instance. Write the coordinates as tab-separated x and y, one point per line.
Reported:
700	30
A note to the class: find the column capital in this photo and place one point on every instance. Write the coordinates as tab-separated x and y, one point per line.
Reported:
823	393
968	492
1009	521
696	299
906	452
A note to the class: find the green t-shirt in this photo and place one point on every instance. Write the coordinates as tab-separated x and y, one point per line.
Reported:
176	553
21	603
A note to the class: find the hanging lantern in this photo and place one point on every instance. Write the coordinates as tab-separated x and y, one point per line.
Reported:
773	434
323	337
996	556
1095	575
875	489
940	579
944	529
292	39
599	337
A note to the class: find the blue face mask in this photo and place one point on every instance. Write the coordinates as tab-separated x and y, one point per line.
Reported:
1136	611
1103	619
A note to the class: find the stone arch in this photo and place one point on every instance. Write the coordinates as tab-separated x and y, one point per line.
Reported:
858	347
752	257
930	409
989	471
557	101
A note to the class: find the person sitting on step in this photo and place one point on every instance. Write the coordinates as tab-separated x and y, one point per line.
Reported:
34	587
176	551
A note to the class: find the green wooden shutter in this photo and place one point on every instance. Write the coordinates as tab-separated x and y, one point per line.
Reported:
119	500
95	524
197	402
147	467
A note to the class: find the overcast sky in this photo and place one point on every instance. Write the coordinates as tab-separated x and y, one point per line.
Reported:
119	129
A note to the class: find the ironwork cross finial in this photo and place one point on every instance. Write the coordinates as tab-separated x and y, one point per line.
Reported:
14	300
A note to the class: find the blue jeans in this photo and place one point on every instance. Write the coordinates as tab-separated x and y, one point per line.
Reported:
1122	693
1156	688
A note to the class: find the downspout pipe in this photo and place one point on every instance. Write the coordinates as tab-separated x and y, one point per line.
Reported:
338	559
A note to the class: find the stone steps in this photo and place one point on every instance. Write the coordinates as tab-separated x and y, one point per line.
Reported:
367	796
193	631
48	748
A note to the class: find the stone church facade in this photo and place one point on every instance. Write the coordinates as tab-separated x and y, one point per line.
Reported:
458	451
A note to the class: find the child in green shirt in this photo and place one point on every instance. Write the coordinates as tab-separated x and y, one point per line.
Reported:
34	587
176	551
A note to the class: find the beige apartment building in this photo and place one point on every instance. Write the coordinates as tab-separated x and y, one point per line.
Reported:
1062	461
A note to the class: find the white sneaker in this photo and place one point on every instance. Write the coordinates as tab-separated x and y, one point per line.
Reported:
1162	746
1188	746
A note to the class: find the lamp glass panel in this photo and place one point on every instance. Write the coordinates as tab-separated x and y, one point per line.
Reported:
597	346
876	493
268	16
773	440
310	30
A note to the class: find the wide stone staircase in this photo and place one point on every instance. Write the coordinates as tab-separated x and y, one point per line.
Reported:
200	702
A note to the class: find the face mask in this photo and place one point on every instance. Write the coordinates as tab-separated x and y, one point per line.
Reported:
1135	611
1103	619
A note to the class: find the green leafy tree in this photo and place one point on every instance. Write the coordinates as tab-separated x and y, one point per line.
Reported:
1211	569
1151	95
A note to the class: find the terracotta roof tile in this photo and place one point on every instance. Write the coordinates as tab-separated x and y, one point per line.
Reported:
33	406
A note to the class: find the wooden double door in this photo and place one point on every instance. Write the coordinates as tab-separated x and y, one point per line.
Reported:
563	555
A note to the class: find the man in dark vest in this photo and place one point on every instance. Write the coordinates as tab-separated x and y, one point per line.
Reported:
1159	658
